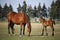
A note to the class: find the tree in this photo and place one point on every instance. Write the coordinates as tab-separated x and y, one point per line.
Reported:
44	11
55	7
5	10
0	11
57	12
52	15
35	11
24	7
39	10
30	11
19	8
48	11
10	8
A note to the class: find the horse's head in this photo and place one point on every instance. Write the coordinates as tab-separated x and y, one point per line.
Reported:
41	19
27	20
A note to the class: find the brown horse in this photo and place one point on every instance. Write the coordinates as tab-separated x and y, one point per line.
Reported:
19	19
45	23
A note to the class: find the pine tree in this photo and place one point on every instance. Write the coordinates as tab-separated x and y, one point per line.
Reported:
52	15
57	12
19	8
44	11
24	7
35	11
30	11
39	10
5	10
0	11
55	7
39	7
49	9
10	8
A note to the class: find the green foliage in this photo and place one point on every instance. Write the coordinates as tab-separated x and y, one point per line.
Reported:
5	10
0	11
39	9
24	7
44	11
35	11
55	10
10	8
30	13
52	10
19	8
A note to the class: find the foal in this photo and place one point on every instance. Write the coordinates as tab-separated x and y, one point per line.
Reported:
45	23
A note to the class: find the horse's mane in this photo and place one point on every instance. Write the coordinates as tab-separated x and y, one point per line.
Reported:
42	18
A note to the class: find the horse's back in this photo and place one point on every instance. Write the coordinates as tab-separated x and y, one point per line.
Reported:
11	14
17	17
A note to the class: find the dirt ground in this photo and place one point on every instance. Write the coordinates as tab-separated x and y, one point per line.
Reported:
35	32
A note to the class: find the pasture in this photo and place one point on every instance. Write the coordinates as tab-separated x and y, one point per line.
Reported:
35	33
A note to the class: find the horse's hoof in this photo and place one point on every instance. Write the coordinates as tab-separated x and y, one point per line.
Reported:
23	34
28	35
52	34
47	34
13	34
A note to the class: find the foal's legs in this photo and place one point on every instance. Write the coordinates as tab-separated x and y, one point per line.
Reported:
52	30
20	29
42	31
46	31
24	29
12	28
9	28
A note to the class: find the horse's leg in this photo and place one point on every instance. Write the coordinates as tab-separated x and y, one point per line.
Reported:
42	31
46	30
12	28
24	29
52	30
9	28
20	29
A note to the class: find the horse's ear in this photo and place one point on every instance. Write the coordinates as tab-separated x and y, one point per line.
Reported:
41	17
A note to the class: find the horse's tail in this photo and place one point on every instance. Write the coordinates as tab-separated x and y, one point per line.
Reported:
29	28
54	22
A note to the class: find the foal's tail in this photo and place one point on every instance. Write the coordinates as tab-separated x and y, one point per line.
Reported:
54	22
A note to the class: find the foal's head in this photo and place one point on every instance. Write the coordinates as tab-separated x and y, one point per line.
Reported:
42	20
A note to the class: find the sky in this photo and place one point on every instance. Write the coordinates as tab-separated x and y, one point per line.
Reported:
15	3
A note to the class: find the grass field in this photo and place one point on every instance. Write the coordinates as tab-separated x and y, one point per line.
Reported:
35	34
